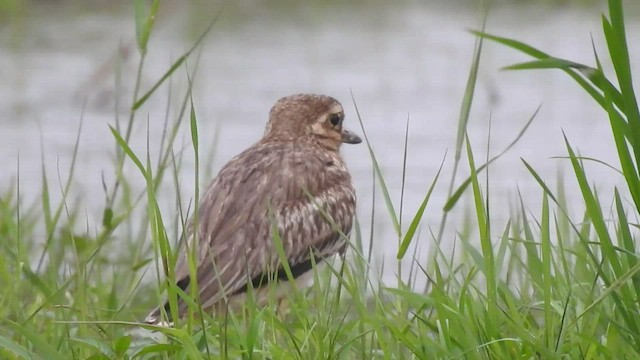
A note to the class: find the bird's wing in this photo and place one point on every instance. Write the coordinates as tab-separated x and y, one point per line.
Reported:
307	198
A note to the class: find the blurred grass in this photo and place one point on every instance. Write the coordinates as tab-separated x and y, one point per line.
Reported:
543	285
15	9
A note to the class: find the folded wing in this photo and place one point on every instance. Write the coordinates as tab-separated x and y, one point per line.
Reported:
307	198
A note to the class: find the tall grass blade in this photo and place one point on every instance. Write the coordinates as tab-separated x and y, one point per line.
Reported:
533	52
376	167
138	103
453	199
485	243
144	22
408	236
463	120
626	242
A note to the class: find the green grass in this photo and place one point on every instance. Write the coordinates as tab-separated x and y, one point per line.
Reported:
546	285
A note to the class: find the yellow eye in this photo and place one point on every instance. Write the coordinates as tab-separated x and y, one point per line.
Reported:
335	119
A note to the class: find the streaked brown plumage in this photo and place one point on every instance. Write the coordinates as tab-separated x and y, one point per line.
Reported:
295	178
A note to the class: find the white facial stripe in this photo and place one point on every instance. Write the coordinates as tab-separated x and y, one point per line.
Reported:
318	129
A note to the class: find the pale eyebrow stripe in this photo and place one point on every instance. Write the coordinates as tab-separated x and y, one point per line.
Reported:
336	108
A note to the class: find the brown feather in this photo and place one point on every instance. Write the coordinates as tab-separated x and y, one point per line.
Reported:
294	179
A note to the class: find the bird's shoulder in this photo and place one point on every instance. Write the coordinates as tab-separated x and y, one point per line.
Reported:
282	171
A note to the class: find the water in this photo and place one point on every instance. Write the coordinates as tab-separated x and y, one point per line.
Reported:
406	61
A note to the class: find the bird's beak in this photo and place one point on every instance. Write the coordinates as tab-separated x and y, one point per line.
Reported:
350	138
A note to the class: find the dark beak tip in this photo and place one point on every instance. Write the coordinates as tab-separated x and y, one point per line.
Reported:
350	138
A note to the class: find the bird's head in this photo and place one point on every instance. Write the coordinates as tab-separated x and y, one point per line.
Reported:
317	118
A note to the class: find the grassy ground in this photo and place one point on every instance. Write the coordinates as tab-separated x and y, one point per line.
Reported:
544	286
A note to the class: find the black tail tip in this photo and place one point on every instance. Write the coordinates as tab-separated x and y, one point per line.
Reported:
154	317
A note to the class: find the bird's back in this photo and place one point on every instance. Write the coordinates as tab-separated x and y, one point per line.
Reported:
296	188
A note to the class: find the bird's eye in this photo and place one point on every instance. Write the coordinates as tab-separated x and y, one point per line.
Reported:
335	119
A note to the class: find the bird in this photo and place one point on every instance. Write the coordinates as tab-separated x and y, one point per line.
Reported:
293	181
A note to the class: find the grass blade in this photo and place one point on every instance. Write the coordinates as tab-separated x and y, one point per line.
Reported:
408	236
453	199
376	167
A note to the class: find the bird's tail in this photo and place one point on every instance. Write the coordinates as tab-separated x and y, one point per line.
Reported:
155	317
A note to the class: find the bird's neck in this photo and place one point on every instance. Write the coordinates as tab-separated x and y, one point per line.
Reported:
320	143
279	137
328	144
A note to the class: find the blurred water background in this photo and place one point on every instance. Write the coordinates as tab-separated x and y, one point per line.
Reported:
401	60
